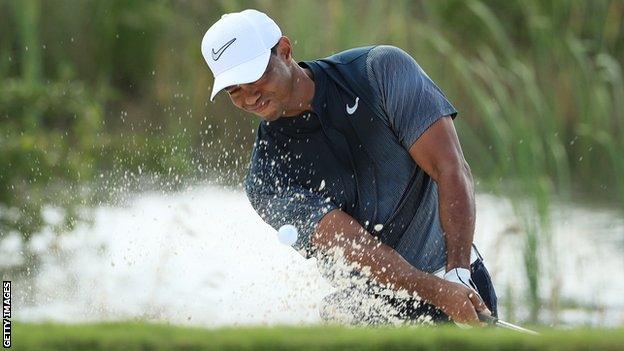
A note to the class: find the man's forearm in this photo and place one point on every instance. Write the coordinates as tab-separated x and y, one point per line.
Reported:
387	267
457	215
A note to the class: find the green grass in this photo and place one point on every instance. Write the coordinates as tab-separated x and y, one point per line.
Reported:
141	336
538	84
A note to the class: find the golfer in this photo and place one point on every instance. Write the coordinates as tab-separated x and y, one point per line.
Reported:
359	152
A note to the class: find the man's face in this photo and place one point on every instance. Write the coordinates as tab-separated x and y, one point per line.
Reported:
267	96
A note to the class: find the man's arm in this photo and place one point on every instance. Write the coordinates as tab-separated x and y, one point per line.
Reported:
337	229
415	108
439	154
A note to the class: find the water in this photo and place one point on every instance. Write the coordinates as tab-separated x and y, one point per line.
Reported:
203	257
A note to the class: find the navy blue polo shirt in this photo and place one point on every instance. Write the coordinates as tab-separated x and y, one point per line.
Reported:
351	152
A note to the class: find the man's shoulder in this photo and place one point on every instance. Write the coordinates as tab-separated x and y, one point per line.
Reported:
365	65
387	56
353	59
348	56
374	52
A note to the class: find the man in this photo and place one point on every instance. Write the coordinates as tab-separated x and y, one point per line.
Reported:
358	151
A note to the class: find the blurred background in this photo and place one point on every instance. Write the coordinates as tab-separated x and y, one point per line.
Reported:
119	177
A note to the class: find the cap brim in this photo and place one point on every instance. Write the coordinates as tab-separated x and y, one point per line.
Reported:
246	72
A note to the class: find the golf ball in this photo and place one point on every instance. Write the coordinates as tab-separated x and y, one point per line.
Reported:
287	234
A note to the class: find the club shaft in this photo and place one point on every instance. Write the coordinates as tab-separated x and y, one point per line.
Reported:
508	325
495	321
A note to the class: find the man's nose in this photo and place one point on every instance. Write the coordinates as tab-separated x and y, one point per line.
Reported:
251	95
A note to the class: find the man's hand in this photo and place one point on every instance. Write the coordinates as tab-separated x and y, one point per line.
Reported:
462	276
461	303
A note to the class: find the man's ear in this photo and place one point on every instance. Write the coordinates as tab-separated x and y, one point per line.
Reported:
284	49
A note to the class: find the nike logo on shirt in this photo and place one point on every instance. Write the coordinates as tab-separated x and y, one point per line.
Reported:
351	110
216	55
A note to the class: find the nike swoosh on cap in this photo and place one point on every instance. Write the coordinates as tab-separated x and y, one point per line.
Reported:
216	55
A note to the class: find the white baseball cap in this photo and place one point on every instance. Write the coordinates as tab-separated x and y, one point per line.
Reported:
238	46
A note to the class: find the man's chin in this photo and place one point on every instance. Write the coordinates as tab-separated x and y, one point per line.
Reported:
270	116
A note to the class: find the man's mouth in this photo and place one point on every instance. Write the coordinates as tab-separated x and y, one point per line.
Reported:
258	107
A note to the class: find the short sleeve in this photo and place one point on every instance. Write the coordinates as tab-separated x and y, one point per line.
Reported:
291	204
411	100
